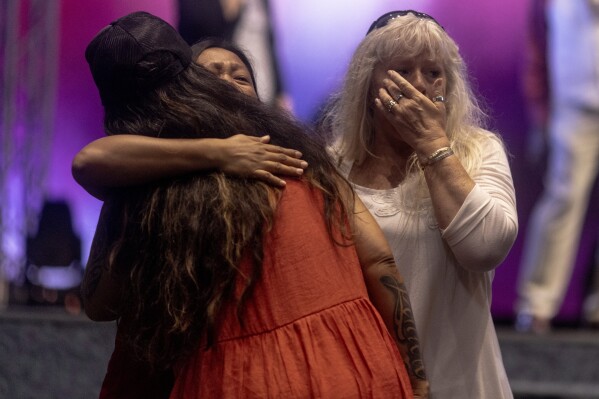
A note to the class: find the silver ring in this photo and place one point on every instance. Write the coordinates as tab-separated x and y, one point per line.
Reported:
390	104
399	97
439	99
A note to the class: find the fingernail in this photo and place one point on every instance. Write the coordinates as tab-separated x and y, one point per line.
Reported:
304	164
299	171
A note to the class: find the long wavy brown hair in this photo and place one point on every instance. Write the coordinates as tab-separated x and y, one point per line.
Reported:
181	240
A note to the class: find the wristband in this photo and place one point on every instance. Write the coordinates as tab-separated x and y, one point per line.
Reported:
436	156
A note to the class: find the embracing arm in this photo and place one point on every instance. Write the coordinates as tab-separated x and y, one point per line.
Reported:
126	160
100	289
388	293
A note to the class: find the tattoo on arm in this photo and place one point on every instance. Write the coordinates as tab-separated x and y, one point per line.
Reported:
404	325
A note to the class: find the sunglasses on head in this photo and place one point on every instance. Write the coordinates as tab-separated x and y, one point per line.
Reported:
385	18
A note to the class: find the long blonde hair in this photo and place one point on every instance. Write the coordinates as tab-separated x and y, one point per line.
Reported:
350	116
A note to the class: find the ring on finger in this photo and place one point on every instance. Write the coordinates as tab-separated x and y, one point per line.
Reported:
390	104
439	99
399	97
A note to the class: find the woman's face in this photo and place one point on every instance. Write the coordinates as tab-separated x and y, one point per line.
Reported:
228	66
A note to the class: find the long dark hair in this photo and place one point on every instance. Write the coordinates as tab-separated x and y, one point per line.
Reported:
183	239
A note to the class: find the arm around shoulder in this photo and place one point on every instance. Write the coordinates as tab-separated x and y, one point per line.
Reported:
129	160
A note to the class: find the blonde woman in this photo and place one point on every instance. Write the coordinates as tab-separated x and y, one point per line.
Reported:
409	136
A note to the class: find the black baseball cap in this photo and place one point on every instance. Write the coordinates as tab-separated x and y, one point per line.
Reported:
116	56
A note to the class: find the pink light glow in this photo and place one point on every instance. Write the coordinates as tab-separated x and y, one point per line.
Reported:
315	39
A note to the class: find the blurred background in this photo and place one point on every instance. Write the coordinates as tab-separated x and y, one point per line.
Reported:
51	109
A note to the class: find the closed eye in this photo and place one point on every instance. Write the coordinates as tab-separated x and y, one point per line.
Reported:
403	72
244	79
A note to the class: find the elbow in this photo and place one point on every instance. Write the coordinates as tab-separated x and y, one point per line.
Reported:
84	170
82	166
100	305
99	312
484	260
489	255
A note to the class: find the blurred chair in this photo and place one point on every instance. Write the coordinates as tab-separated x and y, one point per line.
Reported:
54	272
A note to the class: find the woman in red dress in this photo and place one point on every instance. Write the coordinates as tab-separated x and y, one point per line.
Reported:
241	289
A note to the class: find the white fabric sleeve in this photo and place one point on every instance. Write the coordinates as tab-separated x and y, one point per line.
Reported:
485	228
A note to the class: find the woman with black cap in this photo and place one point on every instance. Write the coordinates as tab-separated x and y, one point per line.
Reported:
124	160
242	289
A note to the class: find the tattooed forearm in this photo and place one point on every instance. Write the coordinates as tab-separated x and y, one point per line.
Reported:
404	326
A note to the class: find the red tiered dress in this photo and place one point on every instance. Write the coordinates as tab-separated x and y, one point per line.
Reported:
310	330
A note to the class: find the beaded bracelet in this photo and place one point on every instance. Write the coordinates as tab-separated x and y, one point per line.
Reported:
436	156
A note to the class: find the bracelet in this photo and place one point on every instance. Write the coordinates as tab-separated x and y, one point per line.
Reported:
436	156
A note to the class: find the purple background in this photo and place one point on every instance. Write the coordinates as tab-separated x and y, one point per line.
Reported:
315	40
